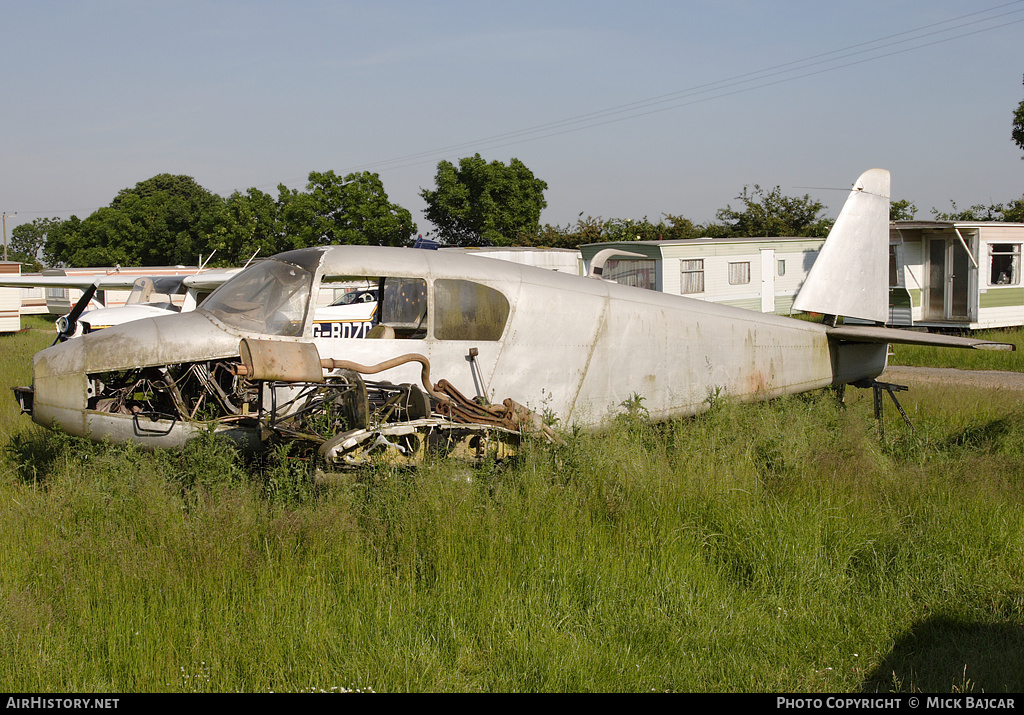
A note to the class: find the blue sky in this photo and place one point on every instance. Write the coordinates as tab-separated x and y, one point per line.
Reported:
614	104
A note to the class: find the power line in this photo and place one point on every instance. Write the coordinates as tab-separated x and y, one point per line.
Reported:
833	60
716	90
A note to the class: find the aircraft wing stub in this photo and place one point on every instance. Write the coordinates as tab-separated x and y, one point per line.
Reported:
877	334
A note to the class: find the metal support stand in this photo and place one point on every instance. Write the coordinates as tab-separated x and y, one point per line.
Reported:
877	388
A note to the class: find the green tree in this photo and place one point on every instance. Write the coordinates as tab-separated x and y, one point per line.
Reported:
902	210
978	212
771	214
28	240
96	241
599	230
677	227
252	227
354	209
164	220
1014	211
588	230
60	241
485	204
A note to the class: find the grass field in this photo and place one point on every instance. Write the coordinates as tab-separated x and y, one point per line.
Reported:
777	547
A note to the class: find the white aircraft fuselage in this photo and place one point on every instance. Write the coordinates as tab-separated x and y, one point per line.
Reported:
571	347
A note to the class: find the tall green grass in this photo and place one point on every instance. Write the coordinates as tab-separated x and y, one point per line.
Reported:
772	547
16	351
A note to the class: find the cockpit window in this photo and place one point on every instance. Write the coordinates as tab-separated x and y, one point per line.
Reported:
270	297
468	311
160	290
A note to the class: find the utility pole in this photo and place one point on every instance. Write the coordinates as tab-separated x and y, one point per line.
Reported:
5	231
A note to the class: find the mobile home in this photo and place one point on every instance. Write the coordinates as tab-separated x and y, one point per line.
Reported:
762	274
956	274
563	260
10	300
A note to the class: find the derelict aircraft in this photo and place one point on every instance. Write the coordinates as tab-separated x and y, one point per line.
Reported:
508	344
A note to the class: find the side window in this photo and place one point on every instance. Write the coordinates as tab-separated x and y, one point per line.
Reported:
403	306
346	306
468	311
1005	264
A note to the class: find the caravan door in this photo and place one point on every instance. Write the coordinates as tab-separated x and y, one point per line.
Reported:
768	280
950	277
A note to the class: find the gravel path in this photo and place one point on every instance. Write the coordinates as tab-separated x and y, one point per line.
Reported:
993	379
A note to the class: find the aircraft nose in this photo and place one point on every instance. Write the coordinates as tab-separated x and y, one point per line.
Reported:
59	386
61	374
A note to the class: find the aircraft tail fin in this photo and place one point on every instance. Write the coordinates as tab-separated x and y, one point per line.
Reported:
850	275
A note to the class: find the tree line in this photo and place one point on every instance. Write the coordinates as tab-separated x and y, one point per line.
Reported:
171	219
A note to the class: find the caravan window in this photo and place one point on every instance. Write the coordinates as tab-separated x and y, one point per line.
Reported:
894	264
1005	264
641	273
739	273
691	275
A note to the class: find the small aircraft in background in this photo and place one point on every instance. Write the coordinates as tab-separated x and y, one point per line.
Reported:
150	296
350	316
515	347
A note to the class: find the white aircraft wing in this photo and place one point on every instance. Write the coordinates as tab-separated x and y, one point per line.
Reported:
207	280
107	282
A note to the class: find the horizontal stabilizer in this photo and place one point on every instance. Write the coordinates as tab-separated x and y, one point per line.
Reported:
873	334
